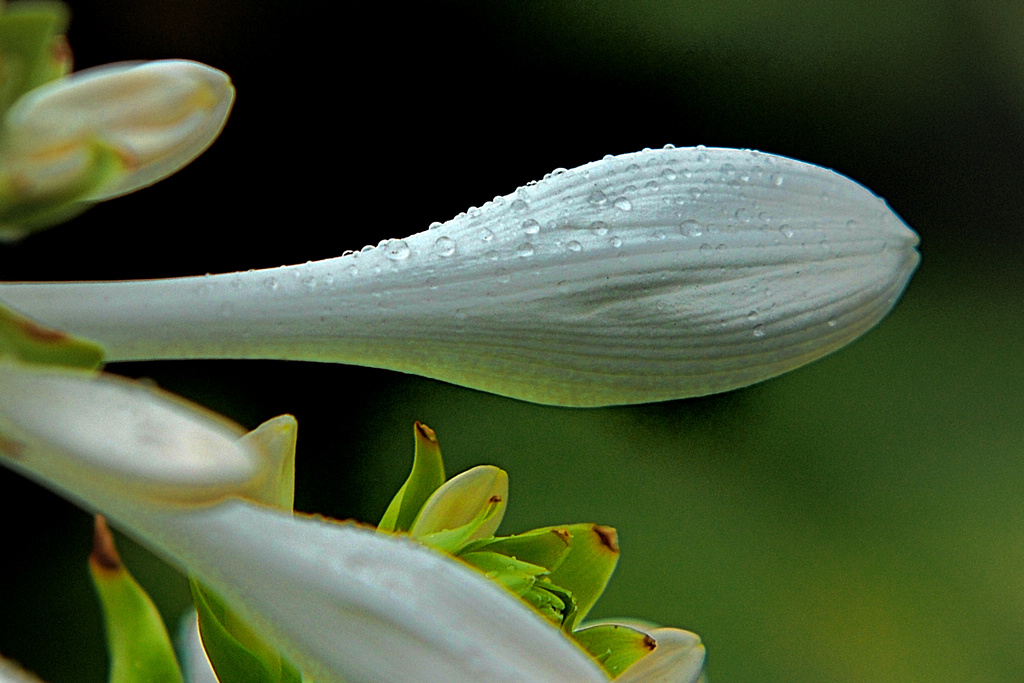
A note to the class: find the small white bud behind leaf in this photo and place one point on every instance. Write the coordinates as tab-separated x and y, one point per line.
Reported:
157	116
476	497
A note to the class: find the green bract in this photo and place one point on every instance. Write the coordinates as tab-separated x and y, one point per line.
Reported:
559	571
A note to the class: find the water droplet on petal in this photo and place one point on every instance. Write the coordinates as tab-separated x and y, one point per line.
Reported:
486	235
669	174
444	246
434	226
691	228
530	227
616	242
524	250
597	198
623	204
599	228
396	250
574	246
759	330
518	205
270	283
786	230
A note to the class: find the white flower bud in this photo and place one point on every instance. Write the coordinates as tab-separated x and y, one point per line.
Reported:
644	277
157	116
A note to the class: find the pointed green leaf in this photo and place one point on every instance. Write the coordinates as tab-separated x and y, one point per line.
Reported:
545	547
586	569
427	476
237	654
27	341
616	647
32	49
140	649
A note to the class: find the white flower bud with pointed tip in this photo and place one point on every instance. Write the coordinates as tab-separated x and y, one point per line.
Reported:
156	116
649	276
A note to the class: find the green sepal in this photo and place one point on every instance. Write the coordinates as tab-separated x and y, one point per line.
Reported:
25	209
616	647
140	649
31	48
587	567
237	654
427	476
545	547
25	340
526	580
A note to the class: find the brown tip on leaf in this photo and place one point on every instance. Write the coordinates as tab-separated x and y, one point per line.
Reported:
426	432
104	555
494	500
608	536
563	534
650	643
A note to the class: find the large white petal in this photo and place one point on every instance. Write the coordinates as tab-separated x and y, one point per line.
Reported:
648	276
344	602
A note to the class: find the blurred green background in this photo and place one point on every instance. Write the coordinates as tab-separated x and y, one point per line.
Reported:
859	519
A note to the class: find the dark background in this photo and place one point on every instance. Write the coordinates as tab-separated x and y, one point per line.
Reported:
858	519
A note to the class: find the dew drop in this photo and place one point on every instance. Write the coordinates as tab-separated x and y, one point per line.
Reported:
706	248
786	230
623	204
776	179
691	228
752	316
615	242
270	283
486	235
396	250
518	205
574	246
668	174
530	227
600	228
524	250
491	255
434	226
597	198
444	246
758	330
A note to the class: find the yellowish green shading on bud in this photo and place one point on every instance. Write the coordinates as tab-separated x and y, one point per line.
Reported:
467	507
237	653
140	649
615	646
33	50
427	476
25	340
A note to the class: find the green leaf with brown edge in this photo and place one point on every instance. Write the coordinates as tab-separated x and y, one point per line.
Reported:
545	547
427	476
27	341
140	649
32	48
587	567
236	653
616	647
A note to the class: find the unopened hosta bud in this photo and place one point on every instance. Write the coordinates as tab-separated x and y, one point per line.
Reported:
156	116
644	277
